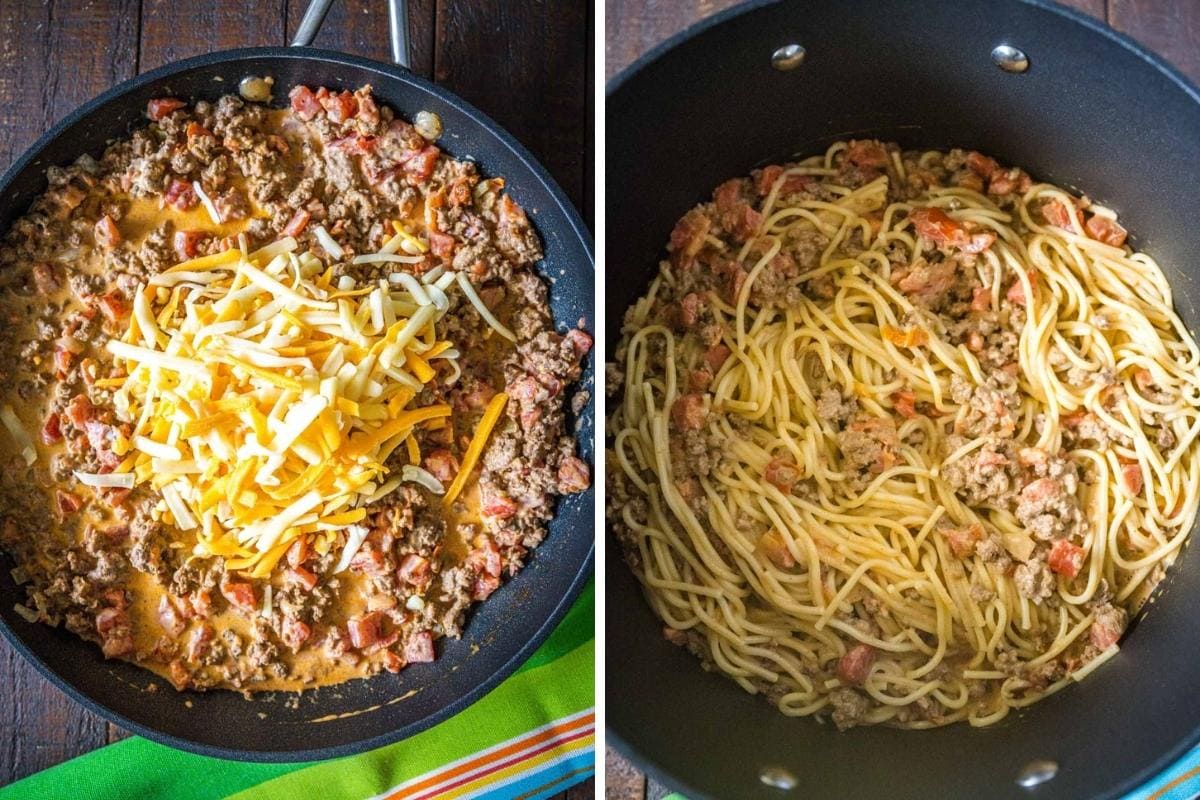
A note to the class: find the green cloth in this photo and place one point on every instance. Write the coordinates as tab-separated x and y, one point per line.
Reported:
558	680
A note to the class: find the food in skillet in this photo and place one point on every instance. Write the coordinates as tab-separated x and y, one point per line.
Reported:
902	438
283	394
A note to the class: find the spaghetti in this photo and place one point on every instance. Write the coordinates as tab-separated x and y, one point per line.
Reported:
904	437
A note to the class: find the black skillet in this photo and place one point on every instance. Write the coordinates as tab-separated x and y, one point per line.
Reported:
1093	110
502	632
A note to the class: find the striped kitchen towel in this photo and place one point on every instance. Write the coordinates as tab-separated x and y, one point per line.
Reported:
530	738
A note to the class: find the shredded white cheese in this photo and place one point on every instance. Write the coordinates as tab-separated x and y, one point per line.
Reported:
107	480
331	246
415	474
483	310
209	205
13	424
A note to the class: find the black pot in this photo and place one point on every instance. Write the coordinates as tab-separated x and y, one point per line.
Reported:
1093	111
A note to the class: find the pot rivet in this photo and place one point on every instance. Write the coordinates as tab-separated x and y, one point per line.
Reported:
788	57
1036	773
1010	59
778	778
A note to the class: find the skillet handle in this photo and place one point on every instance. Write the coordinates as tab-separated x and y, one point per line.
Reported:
314	15
398	26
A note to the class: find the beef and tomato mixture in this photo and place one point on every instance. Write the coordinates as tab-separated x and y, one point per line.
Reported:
282	391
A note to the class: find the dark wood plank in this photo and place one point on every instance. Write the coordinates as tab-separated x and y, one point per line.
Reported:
52	727
1171	29
1096	8
53	57
525	65
360	27
172	30
622	781
634	26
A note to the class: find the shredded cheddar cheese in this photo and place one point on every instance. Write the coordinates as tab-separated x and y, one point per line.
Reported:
265	402
490	416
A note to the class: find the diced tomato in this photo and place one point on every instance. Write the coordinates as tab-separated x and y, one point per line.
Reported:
1131	479
180	194
109	619
498	505
688	412
867	154
115	597
339	106
51	429
296	225
200	642
364	630
765	178
187	243
573	475
855	666
63	358
905	403
419	164
771	545
295	632
981	165
484	586
1065	558
1057	214
169	618
354	144
239	594
304	102
369	560
441	464
298	553
419	648
113	305
687	237
1103	229
160	107
100	437
580	341
415	571
106	232
116	640
737	215
68	502
195	129
962	541
981	298
441	245
782	473
938	227
201	602
1103	634
302	577
1016	292
392	662
715	356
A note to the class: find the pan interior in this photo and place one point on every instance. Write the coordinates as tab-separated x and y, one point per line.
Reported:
1091	113
354	716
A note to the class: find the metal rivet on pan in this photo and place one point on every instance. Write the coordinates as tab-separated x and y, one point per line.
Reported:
1009	58
1036	773
788	57
778	778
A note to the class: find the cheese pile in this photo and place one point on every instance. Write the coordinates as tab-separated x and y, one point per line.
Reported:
265	399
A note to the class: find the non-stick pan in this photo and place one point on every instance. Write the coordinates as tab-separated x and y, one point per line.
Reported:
502	632
1094	111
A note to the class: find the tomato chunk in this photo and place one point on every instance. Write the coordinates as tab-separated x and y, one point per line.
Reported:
1065	558
160	107
855	666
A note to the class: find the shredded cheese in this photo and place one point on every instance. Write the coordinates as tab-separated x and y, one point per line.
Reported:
265	404
331	246
209	205
490	416
482	308
10	420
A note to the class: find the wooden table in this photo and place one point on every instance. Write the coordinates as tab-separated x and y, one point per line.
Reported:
526	65
1169	27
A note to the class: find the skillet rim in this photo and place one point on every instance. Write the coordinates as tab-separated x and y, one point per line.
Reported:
562	211
619	81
